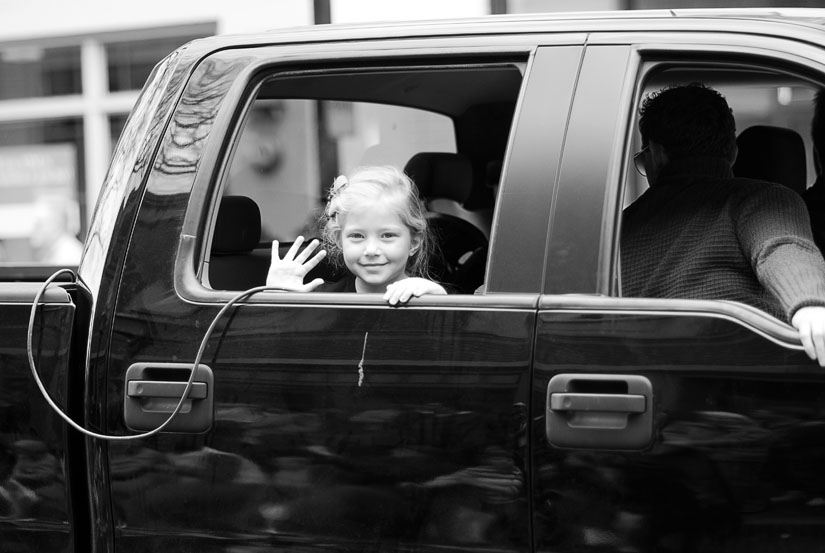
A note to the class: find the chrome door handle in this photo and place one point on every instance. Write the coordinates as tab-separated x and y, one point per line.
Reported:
160	388
628	403
152	391
599	411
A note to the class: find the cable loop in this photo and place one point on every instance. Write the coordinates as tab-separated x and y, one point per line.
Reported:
178	407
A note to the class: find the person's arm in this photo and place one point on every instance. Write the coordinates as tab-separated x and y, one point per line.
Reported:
288	274
774	230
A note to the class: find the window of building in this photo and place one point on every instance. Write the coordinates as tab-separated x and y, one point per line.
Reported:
130	62
42	213
33	71
55	146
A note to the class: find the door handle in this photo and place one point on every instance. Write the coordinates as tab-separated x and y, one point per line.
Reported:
160	388
598	402
599	411
152	391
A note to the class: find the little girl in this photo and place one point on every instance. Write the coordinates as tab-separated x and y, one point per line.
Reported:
375	225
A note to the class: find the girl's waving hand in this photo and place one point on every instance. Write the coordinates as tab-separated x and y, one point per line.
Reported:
288	273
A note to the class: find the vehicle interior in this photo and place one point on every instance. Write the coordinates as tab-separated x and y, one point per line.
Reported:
773	109
445	125
773	112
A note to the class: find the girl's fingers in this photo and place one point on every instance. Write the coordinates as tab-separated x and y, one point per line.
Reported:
276	254
397	293
313	285
309	265
304	255
290	255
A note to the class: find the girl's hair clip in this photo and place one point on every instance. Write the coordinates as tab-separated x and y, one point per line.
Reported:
337	185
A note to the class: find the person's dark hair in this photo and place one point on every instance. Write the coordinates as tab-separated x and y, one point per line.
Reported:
818	130
688	120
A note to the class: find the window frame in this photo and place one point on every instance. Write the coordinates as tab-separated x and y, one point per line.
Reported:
800	60
257	76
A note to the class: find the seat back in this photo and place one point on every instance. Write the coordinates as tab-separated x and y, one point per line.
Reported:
773	154
234	263
445	181
441	175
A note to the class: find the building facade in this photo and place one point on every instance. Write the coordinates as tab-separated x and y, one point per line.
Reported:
70	72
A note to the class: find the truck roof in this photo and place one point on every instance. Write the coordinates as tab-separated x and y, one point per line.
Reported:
768	21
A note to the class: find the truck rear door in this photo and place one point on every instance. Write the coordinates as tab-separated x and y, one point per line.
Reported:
668	425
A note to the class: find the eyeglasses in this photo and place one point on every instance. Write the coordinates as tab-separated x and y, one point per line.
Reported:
639	161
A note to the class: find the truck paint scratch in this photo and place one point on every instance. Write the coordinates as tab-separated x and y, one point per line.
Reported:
361	364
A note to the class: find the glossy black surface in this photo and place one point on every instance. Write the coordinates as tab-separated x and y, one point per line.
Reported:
361	427
423	449
739	439
35	508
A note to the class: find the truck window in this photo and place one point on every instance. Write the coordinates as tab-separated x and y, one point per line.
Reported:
445	127
773	112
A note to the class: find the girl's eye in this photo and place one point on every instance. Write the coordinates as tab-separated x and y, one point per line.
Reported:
389	235
355	236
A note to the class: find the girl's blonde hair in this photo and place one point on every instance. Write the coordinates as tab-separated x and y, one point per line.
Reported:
369	184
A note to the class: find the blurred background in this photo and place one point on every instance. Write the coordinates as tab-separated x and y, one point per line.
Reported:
70	72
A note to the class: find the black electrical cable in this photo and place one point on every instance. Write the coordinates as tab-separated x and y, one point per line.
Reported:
178	407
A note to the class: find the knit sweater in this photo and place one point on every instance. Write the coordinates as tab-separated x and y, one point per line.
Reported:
701	233
815	201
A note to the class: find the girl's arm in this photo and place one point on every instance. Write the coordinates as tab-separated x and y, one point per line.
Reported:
288	274
402	290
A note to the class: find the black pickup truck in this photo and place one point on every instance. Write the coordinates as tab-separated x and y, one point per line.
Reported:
535	410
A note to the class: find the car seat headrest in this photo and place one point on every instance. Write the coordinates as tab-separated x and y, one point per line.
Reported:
441	175
773	154
238	226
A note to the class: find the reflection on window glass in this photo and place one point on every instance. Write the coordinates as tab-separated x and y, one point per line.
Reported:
131	62
30	71
278	162
41	197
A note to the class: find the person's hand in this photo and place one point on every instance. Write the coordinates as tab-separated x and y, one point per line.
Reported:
810	322
402	290
288	273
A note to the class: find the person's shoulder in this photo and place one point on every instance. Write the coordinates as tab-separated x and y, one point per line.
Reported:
749	187
765	194
748	184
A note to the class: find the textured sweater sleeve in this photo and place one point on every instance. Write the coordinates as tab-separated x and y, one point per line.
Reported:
774	232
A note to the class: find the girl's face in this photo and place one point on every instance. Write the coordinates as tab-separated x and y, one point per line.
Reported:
376	245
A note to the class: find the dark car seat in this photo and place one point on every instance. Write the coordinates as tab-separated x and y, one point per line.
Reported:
234	264
444	181
774	154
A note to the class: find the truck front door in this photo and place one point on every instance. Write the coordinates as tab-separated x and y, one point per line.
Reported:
336	420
